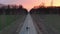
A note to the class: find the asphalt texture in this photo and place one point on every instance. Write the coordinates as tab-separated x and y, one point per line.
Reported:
28	26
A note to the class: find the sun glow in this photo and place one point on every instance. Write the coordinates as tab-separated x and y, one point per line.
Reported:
31	3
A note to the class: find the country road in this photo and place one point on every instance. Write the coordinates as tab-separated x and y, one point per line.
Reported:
28	26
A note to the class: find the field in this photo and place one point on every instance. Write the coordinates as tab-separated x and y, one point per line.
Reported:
12	24
51	22
6	20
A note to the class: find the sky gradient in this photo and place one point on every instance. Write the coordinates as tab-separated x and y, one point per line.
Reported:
30	3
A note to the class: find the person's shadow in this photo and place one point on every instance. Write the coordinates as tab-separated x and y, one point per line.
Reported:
27	28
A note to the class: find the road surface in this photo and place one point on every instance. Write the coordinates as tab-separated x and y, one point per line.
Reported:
28	27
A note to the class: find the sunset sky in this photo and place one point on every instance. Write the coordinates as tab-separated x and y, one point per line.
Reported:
30	3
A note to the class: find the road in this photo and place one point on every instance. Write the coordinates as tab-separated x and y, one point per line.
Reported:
30	24
28	27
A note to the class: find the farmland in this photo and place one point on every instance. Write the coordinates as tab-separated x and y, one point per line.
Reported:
47	23
6	20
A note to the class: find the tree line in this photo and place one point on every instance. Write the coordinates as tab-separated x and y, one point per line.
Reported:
48	10
7	10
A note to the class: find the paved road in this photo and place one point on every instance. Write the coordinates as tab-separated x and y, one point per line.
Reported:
28	27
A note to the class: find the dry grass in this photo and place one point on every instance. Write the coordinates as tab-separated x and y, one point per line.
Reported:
50	21
6	20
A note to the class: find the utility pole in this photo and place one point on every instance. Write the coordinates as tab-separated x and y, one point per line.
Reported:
51	2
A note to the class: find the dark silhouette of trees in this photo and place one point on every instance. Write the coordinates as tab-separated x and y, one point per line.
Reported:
22	10
33	11
1	11
15	10
7	11
44	10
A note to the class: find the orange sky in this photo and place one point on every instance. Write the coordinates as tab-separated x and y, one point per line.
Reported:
31	3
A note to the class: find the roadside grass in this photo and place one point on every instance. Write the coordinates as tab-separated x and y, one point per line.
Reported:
53	20
14	25
6	20
0	24
49	21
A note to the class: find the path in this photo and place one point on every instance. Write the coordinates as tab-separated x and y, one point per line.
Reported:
28	27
